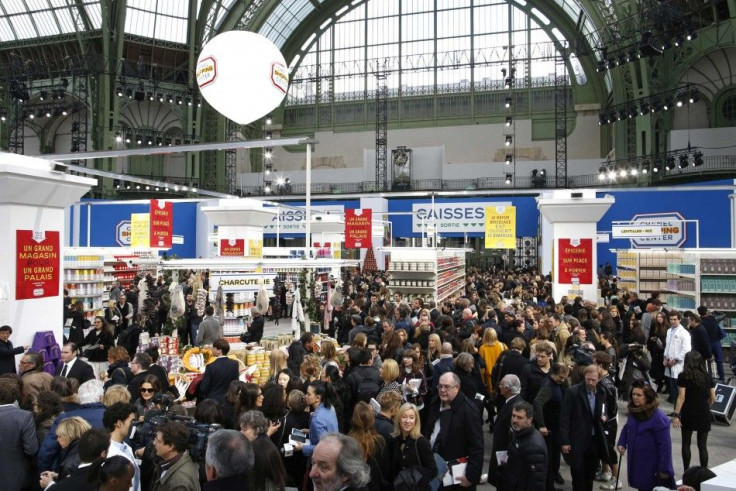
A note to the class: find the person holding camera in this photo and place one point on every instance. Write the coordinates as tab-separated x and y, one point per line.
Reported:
175	469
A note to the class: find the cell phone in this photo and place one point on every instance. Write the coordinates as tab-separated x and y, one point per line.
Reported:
298	436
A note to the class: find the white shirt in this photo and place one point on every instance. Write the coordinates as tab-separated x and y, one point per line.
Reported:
127	452
68	366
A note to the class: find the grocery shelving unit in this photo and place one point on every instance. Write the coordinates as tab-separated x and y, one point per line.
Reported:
644	270
707	277
430	274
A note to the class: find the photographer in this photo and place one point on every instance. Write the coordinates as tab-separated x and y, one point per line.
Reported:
175	469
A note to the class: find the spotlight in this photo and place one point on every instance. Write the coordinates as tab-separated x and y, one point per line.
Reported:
43	95
602	173
116	183
269	119
507	82
169	98
138	139
3	115
655	167
167	142
118	139
509	158
509	120
684	161
509	140
508	178
199	102
64	112
148	188
129	93
681	98
179	101
643	109
508	102
159	141
623	114
189	101
692	34
128	137
697	159
268	154
503	72
48	113
542	173
645	168
602	119
269	135
622	59
693	96
119	91
601	67
149	141
669	163
160	97
269	167
280	181
623	172
137	186
127	186
667	103
634	171
150	96
612	173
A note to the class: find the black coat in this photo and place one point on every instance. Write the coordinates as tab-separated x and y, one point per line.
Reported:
81	370
461	433
384	427
255	331
508	362
501	437
217	378
238	482
77	481
94	338
578	424
160	373
532	378
408	452
7	356
118	374
526	469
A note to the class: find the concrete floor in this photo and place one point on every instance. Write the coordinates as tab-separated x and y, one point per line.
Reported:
721	441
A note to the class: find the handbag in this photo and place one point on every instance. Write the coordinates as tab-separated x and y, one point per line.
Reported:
408	479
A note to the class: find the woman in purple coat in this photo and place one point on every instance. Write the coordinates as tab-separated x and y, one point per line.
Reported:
646	437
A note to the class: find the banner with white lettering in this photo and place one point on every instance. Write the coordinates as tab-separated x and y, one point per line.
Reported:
292	220
247	283
452	217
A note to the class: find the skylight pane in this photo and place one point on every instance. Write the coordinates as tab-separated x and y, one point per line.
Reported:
140	4
23	26
6	33
58	3
14	6
34	5
171	29
46	23
65	20
94	14
176	8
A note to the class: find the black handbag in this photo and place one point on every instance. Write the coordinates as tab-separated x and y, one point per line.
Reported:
408	479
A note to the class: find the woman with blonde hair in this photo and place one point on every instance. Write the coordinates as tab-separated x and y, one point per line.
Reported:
118	371
490	349
371	443
68	433
389	372
310	370
277	358
434	346
410	449
329	354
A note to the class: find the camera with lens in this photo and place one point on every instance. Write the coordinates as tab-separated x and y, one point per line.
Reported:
143	432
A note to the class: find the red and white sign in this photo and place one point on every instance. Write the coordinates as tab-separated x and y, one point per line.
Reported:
162	223
232	247
38	267
358	228
575	261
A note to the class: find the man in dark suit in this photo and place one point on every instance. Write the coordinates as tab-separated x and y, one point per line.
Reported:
454	429
219	373
255	331
7	351
18	434
581	437
510	390
72	367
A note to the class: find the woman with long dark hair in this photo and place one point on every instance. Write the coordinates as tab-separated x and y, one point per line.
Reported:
645	439
655	345
98	340
409	370
150	386
373	445
343	402
321	398
692	410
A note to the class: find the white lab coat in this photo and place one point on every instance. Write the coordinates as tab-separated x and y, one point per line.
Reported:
677	346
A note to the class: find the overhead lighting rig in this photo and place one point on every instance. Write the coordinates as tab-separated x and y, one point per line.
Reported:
660	102
629	170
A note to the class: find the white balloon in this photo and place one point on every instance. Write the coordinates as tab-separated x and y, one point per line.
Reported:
242	75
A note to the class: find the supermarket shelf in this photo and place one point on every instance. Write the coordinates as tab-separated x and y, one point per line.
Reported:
717	274
96	295
685	293
713	292
621	266
451	266
74	282
447	282
685	275
449	293
410	288
84	266
129	270
403	271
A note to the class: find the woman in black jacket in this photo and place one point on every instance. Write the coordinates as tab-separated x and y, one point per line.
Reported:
410	450
118	371
98	340
296	418
547	407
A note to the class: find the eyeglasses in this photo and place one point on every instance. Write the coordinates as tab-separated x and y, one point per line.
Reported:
445	387
148	390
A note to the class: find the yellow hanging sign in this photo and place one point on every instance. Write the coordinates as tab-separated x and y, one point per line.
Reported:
140	230
255	248
500	228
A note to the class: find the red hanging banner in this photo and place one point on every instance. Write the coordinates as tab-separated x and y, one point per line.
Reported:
575	261
162	223
232	247
358	229
37	265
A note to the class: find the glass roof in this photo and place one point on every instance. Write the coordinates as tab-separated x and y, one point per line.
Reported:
285	19
166	20
215	16
27	19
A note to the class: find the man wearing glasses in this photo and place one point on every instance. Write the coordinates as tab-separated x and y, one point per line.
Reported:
32	377
454	429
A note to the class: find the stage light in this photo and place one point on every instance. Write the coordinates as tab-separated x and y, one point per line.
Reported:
643	109
655	167
160	97
622	172
645	168
189	101
129	93
634	171
542	173
269	119
64	111
119	91
179	101
684	161
612	173
602	173
509	158
116	183
268	154
669	163
169	98
128	137
681	98
667	103
150	96
509	140
508	179
601	67
508	102
138	139
693	96
509	120
269	168
269	135
280	181
698	159
118	139
43	95
507	83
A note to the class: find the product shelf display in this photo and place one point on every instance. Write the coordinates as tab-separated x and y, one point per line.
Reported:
429	274
644	271
708	278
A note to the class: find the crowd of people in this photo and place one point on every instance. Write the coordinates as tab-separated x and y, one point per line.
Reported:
403	406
